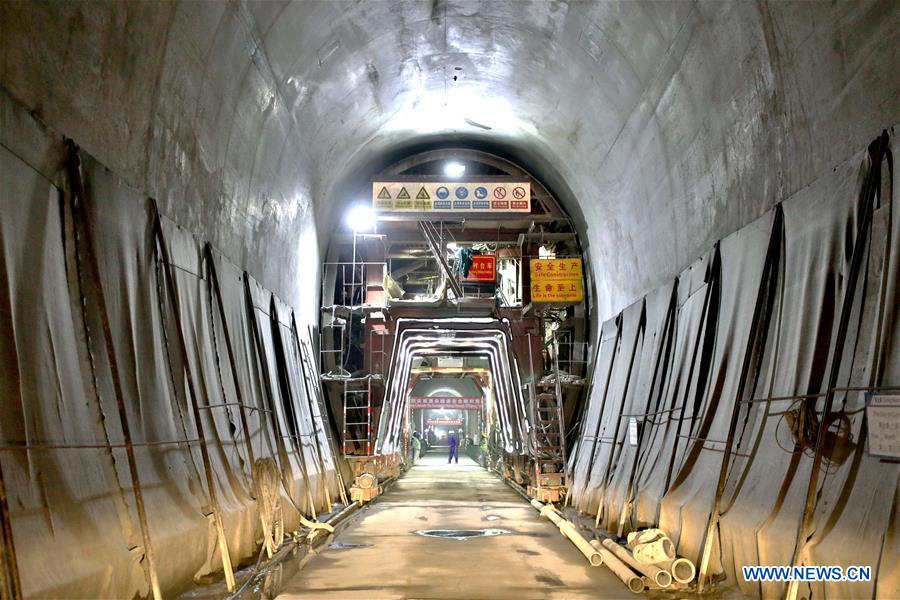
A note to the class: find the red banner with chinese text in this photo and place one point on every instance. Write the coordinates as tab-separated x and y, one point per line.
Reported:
417	402
484	268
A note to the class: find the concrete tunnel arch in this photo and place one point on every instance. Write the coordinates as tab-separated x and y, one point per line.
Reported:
687	138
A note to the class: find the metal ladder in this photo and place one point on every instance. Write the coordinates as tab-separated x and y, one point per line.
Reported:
357	415
549	430
331	347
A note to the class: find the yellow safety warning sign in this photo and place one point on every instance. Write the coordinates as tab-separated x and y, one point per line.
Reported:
383	200
501	195
557	280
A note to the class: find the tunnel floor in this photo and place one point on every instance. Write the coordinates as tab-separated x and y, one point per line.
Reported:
380	555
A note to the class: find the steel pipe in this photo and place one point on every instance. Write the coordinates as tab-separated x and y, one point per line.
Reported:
423	347
423	336
660	577
634	582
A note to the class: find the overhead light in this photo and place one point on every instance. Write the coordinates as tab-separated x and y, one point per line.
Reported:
452	246
361	218
454	169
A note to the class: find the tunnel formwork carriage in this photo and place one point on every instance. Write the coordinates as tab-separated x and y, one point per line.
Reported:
483	243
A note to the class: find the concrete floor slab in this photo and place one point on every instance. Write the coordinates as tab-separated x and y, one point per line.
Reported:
379	555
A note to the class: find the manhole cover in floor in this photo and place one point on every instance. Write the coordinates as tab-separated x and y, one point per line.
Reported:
461	534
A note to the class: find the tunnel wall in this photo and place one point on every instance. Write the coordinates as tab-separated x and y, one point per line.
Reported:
177	99
739	106
67	400
662	126
673	125
751	332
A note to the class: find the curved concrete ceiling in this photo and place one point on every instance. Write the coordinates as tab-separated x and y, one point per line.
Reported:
661	126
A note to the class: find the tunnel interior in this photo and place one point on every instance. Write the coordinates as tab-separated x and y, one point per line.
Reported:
267	267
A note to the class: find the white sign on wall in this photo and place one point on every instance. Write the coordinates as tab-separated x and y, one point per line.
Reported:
632	431
883	413
450	362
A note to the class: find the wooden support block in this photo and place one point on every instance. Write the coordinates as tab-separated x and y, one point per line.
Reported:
551	480
547	494
363	495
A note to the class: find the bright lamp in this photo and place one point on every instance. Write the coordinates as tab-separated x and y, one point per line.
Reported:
361	218
454	169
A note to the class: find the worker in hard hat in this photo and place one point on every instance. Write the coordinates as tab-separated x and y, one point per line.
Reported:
416	444
453	441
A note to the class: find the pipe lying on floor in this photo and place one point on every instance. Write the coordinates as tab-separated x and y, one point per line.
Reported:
652	546
634	582
569	531
660	577
682	569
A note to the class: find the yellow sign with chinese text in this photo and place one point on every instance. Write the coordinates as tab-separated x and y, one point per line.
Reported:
557	280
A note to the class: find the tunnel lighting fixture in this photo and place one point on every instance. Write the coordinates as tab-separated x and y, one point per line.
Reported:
361	218
454	169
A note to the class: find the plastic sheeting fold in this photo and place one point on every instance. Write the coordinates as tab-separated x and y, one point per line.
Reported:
751	340
63	452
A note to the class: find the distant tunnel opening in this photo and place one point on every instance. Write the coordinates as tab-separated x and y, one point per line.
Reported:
457	301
